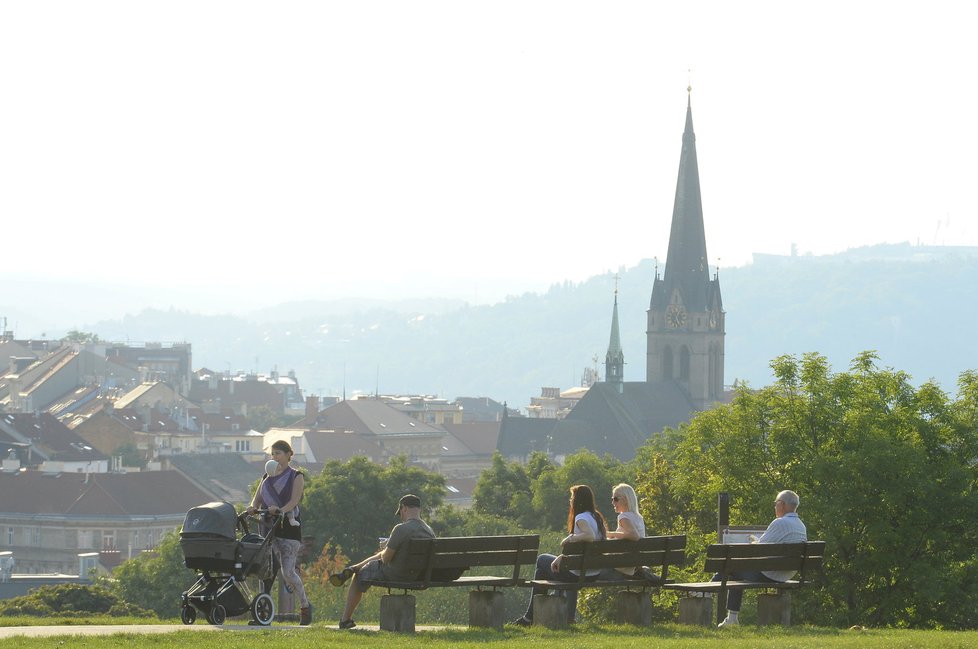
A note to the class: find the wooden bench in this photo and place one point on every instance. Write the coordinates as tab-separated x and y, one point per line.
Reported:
633	604
727	559
429	556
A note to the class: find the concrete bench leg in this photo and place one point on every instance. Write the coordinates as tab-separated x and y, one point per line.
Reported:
550	611
633	608
774	608
696	610
397	613
486	609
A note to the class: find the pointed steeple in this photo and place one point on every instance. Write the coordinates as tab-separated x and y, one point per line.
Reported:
687	268
685	318
614	360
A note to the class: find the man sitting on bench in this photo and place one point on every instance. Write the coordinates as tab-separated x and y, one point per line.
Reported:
785	528
389	562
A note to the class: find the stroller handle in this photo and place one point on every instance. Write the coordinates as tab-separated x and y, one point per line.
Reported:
270	518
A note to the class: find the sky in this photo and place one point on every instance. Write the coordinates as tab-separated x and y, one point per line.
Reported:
316	150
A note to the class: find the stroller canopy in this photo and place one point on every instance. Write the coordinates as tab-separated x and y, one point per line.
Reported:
212	519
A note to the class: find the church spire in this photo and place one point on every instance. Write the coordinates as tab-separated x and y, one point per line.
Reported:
614	360
687	268
685	319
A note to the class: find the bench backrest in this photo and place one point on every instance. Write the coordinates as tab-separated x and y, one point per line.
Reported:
652	551
804	558
516	551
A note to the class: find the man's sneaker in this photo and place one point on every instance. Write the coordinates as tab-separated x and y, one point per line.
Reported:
728	622
305	615
347	624
340	578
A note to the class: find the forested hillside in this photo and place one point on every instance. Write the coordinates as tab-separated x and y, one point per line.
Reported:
916	307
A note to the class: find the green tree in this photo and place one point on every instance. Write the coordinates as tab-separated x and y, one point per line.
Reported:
154	580
350	504
83	337
551	487
502	490
261	418
131	455
887	477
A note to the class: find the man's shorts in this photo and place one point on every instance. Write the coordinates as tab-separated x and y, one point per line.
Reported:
370	572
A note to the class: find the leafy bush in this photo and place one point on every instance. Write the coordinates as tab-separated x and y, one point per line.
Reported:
70	600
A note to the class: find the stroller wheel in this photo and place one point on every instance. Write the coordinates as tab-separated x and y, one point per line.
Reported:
263	609
217	615
188	614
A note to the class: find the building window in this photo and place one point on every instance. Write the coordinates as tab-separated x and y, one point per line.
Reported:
108	539
35	536
10	536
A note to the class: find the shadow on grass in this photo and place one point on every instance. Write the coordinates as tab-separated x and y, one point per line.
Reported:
612	632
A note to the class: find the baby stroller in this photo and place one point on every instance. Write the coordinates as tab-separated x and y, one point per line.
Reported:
211	547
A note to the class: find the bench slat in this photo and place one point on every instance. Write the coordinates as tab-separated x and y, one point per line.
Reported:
809	548
714	586
738	564
652	551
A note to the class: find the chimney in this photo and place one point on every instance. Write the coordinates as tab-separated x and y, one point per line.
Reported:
312	408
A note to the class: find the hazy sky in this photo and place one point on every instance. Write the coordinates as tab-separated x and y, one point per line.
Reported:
464	149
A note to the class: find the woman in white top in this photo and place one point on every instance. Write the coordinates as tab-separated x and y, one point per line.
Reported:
585	524
631	525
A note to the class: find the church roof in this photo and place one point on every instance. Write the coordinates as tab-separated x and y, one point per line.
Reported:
606	421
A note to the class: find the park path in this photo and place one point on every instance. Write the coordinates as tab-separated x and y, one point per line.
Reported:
109	629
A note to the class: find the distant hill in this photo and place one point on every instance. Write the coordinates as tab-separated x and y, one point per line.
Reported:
917	307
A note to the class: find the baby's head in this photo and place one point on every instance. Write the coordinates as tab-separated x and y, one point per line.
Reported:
271	468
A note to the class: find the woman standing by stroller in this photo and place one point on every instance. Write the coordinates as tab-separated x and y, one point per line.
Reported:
280	492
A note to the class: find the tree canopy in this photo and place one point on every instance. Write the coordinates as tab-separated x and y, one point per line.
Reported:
887	477
350	504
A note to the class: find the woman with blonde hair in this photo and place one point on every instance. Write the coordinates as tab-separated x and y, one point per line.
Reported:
631	527
585	524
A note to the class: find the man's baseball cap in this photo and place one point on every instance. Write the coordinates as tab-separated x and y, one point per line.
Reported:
408	500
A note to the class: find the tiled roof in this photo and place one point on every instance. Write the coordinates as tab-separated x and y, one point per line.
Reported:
149	493
334	445
479	438
47	434
226	476
369	416
520	435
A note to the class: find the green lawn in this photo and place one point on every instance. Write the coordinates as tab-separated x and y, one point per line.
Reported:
666	636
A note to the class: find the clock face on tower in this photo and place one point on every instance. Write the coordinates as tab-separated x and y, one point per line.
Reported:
713	319
675	316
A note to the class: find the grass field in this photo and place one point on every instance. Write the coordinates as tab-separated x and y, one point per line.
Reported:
666	636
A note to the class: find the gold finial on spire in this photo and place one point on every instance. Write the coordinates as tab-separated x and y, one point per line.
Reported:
616	278
689	81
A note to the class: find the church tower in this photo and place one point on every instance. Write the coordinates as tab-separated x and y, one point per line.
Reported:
685	317
614	360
